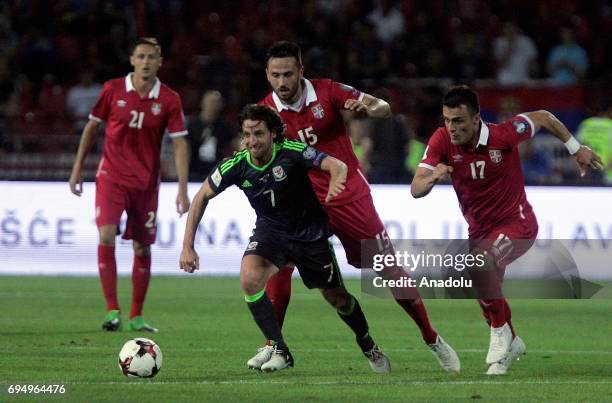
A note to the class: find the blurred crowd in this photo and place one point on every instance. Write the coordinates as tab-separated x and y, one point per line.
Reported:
54	56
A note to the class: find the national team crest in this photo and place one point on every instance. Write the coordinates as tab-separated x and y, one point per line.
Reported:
156	108
279	173
519	126
318	111
496	156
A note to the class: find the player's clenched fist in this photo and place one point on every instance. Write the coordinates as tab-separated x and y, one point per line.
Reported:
189	260
442	172
358	107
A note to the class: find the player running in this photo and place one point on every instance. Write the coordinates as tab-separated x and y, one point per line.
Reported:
483	162
291	226
312	113
137	109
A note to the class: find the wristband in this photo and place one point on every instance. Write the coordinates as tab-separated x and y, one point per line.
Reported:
572	145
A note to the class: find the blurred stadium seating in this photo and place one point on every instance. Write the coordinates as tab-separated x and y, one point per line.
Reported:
418	49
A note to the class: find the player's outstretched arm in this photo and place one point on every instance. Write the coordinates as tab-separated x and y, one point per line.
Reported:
425	179
337	171
181	162
369	106
88	138
189	260
584	156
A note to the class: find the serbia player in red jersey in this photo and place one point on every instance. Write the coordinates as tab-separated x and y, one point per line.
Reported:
137	110
483	162
311	111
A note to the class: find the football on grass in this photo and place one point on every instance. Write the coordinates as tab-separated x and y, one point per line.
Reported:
140	358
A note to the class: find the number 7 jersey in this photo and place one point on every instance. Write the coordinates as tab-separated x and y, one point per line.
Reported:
319	123
279	191
487	178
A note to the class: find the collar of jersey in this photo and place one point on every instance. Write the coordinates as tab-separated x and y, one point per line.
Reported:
484	134
153	94
311	96
263	168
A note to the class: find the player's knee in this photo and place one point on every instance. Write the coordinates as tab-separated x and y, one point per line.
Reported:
339	298
141	249
249	285
106	239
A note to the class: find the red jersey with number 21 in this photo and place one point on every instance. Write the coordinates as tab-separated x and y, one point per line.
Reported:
135	128
487	178
319	123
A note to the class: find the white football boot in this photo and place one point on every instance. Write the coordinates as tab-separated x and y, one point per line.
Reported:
517	349
280	359
378	360
499	344
446	356
263	355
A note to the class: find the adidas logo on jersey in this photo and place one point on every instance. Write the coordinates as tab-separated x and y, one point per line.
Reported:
246	184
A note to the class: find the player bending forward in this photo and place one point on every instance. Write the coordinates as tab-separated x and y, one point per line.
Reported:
483	162
291	226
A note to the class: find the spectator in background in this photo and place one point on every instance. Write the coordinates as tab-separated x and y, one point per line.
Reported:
81	98
596	132
211	137
515	56
568	61
536	164
367	56
388	21
389	144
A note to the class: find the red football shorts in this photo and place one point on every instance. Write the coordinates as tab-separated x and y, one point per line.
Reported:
509	240
353	222
113	199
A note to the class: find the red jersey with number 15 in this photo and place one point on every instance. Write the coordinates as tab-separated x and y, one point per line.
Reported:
135	128
317	121
487	178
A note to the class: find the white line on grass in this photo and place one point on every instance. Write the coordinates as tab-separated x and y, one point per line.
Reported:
340	349
300	381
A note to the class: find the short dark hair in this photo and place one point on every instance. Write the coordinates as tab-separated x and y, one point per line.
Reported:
462	95
267	115
145	41
285	49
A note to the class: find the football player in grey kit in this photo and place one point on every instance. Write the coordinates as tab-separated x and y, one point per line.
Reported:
291	226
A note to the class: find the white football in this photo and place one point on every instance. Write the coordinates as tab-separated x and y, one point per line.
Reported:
140	358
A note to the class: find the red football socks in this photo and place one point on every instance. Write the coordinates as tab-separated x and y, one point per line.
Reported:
278	290
416	309
107	267
141	274
496	310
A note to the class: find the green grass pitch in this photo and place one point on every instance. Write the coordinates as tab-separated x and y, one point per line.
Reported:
50	334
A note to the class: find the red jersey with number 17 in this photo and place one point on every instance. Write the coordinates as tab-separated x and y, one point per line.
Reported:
135	128
316	120
487	178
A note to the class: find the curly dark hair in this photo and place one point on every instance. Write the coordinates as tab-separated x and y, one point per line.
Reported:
267	115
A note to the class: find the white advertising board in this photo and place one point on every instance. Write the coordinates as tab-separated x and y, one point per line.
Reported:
44	229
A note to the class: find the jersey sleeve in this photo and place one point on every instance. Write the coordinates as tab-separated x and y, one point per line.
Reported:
516	130
435	151
224	175
101	109
305	156
176	118
311	158
339	93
